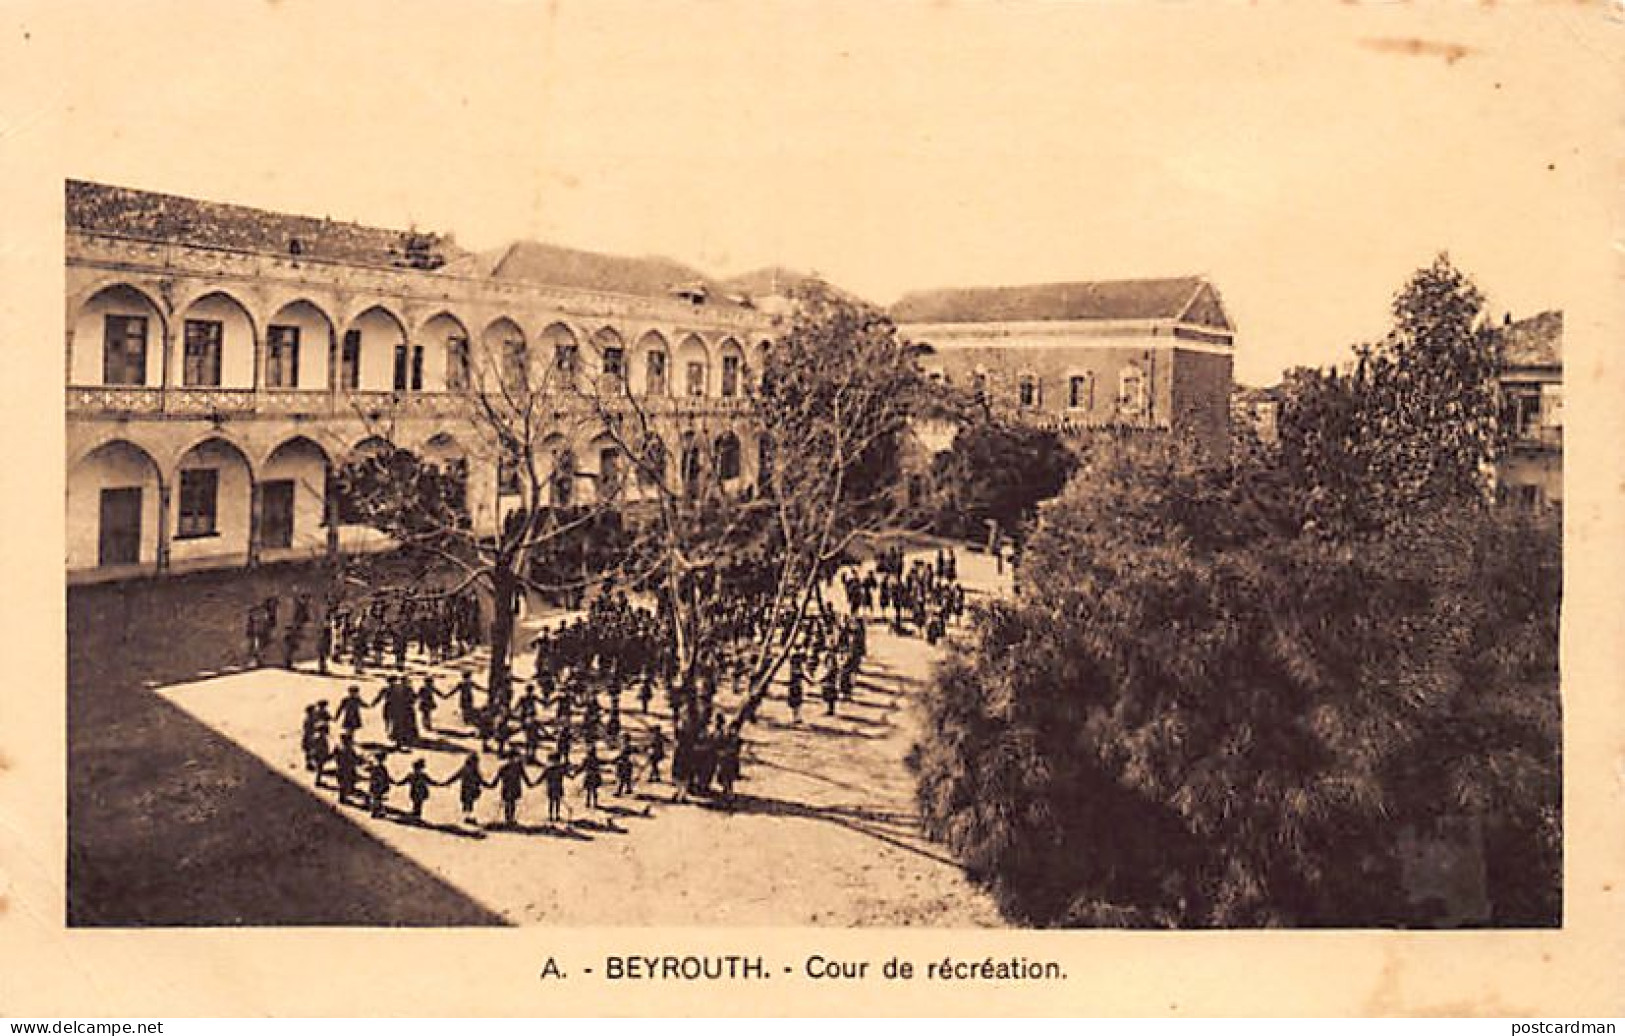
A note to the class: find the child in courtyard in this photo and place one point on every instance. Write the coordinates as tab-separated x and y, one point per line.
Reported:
470	784
417	784
624	763
378	784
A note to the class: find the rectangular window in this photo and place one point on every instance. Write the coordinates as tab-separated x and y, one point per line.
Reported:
124	350
657	374
1081	392
350	361
1029	391
201	364
417	368
507	475
281	357
1522	410
199	499
276	513
609	472
400	368
730	377
456	363
515	363
614	361
565	357
696	379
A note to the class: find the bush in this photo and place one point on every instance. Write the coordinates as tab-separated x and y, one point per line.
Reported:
1196	714
996	472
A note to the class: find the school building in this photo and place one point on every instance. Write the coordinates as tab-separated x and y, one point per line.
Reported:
221	361
1153	355
1529	473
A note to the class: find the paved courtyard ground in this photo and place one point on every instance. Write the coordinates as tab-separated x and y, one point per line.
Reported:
824	831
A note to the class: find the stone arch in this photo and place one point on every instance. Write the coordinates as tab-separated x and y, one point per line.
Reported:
730	376
560	347
656	382
447	352
295	482
608	356
506	352
114	506
693	369
151	293
298	343
217	344
212	500
728	458
444	452
372	350
369	444
118	335
608	465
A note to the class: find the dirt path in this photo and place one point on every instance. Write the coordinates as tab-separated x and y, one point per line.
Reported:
824	832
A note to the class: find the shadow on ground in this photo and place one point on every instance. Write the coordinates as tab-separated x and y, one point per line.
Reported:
169	823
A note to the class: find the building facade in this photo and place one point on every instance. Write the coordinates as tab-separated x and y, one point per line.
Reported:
1140	354
222	361
1530	379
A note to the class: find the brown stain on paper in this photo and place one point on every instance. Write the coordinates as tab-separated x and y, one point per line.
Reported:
1417	48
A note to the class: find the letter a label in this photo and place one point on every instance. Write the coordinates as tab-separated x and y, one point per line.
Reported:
551	969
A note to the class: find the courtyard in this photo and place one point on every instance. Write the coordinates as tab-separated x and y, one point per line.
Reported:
190	804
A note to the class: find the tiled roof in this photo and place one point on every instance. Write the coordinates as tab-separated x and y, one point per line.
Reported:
1535	341
769	280
1166	298
536	262
152	216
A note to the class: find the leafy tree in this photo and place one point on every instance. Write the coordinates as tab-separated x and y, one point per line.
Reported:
1414	423
1193	715
997	472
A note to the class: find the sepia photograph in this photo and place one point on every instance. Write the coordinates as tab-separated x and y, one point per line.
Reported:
1022	515
1117	491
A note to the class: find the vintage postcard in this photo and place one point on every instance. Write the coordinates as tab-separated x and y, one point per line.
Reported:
778	508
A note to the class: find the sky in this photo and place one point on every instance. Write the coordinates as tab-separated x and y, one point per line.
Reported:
1306	159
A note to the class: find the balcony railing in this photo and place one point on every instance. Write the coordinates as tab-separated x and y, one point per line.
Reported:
115	399
1539	437
215	402
206	401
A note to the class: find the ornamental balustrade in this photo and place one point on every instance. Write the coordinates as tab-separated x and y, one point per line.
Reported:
176	401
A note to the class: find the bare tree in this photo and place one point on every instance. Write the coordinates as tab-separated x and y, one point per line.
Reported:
512	419
829	414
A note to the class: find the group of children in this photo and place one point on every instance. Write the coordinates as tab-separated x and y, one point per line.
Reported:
616	648
926	593
367	779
